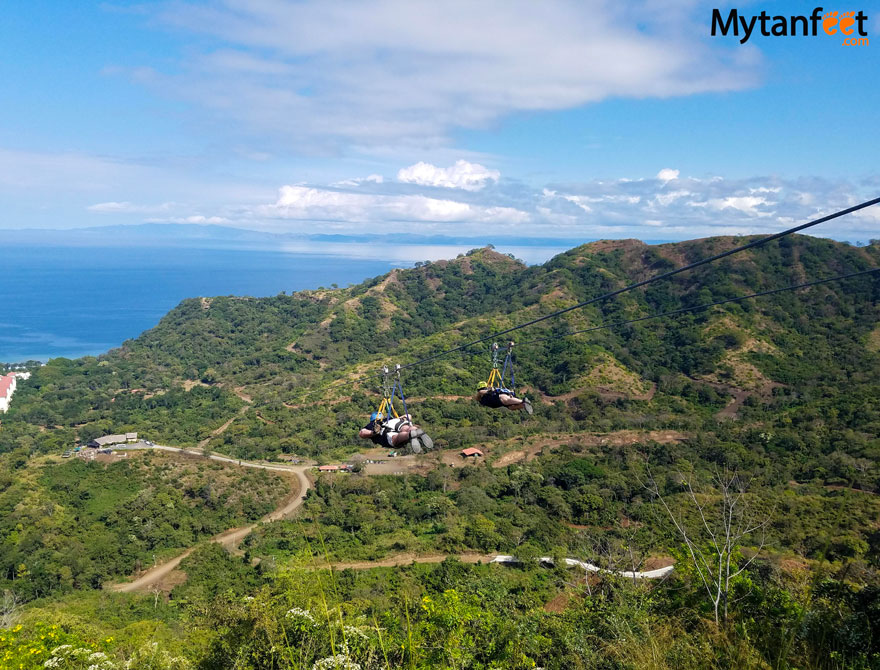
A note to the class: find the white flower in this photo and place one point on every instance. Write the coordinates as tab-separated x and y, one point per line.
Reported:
338	662
97	656
354	632
298	612
53	662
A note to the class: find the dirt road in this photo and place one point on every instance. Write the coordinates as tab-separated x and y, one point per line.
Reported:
408	559
232	537
229	538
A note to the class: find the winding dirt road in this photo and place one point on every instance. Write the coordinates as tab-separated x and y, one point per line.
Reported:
408	559
232	537
229	538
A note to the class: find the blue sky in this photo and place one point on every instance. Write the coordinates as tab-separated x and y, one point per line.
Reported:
573	120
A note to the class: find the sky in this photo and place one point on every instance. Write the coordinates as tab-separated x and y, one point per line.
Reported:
546	120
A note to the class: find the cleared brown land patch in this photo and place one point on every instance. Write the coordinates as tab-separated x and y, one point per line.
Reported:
221	429
744	375
874	340
559	603
556	297
603	246
620	438
190	384
731	410
604	393
239	391
439	397
386	307
657	562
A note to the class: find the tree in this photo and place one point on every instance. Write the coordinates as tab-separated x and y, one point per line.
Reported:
9	609
712	543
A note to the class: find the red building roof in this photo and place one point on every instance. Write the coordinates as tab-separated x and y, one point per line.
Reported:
5	383
471	451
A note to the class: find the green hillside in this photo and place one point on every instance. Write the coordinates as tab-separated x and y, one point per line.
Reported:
781	390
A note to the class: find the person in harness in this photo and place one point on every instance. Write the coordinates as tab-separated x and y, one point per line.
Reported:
396	433
494	393
501	397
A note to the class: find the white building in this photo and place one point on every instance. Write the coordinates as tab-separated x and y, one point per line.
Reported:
110	440
7	388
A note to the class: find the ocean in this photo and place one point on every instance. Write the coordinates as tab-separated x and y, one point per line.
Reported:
77	301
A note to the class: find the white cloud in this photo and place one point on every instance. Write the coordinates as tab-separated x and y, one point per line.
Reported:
110	207
464	175
667	174
357	181
627	207
128	208
195	218
702	207
667	198
644	207
322	204
747	204
580	201
379	73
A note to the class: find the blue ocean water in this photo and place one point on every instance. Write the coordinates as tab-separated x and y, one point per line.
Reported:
78	301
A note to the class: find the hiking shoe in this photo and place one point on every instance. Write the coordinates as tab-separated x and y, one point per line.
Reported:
426	441
528	406
415	446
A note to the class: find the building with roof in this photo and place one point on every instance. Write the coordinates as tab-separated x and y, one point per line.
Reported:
471	452
109	440
7	388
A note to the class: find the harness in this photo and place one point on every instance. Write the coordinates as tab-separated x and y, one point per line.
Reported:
496	377
392	389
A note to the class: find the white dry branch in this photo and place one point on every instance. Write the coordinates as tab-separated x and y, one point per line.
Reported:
9	609
713	544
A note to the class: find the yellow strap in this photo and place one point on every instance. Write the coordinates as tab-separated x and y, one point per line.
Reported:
386	407
493	377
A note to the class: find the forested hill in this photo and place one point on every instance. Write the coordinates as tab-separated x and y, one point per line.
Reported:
633	427
210	358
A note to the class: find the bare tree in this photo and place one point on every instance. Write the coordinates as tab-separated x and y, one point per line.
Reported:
9	608
713	542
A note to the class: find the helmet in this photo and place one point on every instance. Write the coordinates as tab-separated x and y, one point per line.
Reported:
374	416
482	385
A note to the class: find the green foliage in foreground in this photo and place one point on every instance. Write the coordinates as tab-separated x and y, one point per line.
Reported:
453	615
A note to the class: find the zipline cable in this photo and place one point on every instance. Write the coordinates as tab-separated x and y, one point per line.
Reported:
625	289
683	310
697	308
651	280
